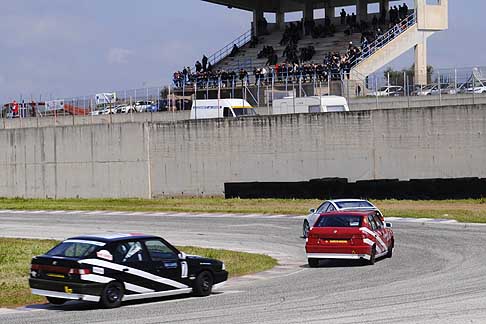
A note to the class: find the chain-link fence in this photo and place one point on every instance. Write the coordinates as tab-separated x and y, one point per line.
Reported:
391	89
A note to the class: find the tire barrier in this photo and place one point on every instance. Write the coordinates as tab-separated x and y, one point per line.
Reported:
335	188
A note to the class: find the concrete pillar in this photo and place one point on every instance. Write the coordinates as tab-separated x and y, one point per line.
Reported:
280	20
308	11
362	10
330	10
384	5
421	63
257	21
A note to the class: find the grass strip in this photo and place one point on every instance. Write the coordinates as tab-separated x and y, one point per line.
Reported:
16	254
468	210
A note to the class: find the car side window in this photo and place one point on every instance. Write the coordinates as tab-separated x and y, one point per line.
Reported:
128	252
159	251
322	208
378	221
331	208
372	222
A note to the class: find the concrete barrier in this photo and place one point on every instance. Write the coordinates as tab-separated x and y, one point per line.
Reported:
196	158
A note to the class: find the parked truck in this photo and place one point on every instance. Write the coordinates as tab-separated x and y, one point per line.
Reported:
313	104
222	108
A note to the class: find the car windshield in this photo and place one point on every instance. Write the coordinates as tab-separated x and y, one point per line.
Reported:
339	221
75	249
383	89
353	204
244	111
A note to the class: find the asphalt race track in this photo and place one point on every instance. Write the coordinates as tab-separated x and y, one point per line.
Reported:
437	273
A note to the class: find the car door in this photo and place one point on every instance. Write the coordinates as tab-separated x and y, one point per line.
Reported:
165	263
134	264
379	229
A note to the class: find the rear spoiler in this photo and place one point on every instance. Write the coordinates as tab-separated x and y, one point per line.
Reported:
358	208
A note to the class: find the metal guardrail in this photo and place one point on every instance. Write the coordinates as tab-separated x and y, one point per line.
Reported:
386	38
240	41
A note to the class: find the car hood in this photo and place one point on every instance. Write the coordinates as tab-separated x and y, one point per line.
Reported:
203	260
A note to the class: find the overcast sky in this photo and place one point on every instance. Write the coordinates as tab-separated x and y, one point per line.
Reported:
67	48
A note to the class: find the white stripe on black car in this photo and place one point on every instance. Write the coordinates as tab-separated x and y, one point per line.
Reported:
133	271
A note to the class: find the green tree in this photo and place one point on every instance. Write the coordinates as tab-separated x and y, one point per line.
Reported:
397	77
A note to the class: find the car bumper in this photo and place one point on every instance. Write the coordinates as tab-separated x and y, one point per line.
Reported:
338	256
220	277
66	290
339	252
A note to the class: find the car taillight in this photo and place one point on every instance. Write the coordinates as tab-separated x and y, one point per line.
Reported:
79	271
314	236
357	237
35	267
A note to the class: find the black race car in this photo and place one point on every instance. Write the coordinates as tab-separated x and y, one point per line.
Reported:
113	268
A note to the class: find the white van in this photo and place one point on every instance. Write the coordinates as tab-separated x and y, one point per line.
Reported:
222	108
313	104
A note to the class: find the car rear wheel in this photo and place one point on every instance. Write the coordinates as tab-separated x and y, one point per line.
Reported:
112	295
313	263
203	285
305	229
56	301
372	259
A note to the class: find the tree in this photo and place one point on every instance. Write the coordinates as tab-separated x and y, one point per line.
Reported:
397	77
164	92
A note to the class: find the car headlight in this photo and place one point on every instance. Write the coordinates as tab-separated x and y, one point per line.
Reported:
223	267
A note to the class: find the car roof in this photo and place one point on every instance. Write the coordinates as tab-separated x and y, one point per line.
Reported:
347	200
113	237
349	212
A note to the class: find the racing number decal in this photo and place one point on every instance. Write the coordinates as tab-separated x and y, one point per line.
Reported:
184	270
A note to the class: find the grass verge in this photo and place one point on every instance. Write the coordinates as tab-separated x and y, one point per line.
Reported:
471	210
16	254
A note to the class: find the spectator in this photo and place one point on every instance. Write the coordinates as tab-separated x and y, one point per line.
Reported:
198	66
343	16
234	51
204	63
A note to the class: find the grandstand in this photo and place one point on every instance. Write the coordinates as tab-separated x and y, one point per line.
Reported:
410	31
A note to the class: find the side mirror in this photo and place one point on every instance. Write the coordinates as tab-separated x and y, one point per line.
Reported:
389	225
312	210
182	256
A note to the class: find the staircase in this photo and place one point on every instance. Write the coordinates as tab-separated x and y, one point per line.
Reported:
412	32
388	47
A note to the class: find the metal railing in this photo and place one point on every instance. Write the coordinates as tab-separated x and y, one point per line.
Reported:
224	52
382	40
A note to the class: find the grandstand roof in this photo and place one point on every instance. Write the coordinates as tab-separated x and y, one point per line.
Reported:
282	5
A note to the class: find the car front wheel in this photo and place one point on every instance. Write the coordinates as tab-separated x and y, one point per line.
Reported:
112	295
203	285
390	250
372	259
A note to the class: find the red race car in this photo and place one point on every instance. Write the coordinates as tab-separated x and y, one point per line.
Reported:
353	235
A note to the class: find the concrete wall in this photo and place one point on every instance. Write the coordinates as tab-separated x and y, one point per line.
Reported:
373	103
75	161
198	157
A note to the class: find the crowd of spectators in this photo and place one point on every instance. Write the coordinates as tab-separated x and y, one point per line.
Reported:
269	53
294	67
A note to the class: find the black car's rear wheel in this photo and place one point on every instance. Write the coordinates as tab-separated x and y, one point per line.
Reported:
56	301
112	295
203	285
